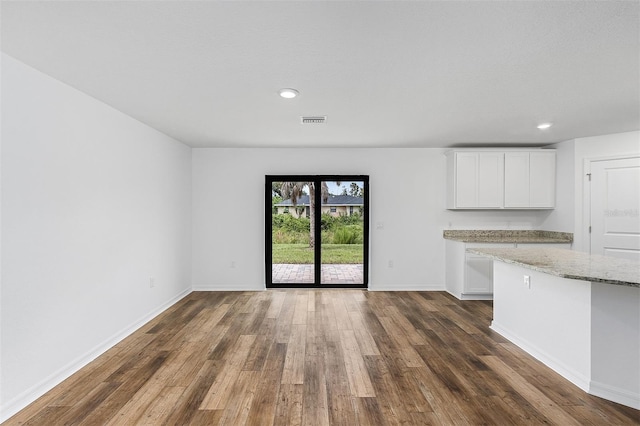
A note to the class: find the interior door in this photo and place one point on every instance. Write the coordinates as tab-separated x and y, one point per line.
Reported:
316	231
615	208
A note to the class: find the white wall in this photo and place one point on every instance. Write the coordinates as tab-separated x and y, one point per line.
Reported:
596	147
561	219
407	195
94	204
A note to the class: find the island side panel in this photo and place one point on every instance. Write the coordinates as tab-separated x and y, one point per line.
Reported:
551	320
615	324
454	267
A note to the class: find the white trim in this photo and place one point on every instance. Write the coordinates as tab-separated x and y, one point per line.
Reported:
614	157
13	406
471	296
416	287
225	288
478	296
586	207
586	196
565	371
621	396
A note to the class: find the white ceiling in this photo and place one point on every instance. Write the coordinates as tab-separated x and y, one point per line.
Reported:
410	74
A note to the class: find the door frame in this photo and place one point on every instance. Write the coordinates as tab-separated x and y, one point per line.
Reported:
269	179
585	227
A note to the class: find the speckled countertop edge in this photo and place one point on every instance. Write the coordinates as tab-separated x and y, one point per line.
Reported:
569	264
507	236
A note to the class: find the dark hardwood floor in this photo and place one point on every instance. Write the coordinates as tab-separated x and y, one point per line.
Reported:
319	357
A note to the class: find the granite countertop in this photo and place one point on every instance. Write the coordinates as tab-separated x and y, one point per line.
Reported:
507	236
569	264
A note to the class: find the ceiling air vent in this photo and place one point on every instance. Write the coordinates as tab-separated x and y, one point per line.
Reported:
319	119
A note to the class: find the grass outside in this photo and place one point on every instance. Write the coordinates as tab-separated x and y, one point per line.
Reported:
331	253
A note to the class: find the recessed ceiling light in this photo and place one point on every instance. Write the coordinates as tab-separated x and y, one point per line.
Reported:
288	93
543	126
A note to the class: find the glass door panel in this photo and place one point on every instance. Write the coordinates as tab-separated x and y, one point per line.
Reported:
342	233
292	253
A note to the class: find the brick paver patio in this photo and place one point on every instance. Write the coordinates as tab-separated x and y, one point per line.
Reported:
285	273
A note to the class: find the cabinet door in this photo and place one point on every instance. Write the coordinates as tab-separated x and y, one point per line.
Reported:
478	270
542	177
466	181
516	179
490	179
478	277
479	180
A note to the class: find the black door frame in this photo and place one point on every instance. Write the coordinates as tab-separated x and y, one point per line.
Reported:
269	179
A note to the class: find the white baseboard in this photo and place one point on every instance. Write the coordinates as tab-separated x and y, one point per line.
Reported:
621	396
456	295
371	288
225	288
16	404
463	296
466	296
568	373
417	287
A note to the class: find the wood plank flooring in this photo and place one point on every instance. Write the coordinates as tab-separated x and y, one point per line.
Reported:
319	357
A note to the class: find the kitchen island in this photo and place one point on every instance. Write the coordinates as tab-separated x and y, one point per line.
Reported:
577	313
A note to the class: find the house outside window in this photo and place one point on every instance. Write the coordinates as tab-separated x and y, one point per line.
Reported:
336	205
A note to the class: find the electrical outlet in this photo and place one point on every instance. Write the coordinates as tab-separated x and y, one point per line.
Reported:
391	264
527	281
233	264
152	282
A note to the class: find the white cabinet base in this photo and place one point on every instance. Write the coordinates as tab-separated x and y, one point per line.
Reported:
469	276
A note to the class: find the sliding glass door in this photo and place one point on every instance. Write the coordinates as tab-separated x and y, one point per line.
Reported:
316	230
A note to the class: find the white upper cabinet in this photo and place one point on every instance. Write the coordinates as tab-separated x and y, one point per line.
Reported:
542	179
479	179
494	179
466	177
516	180
490	181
